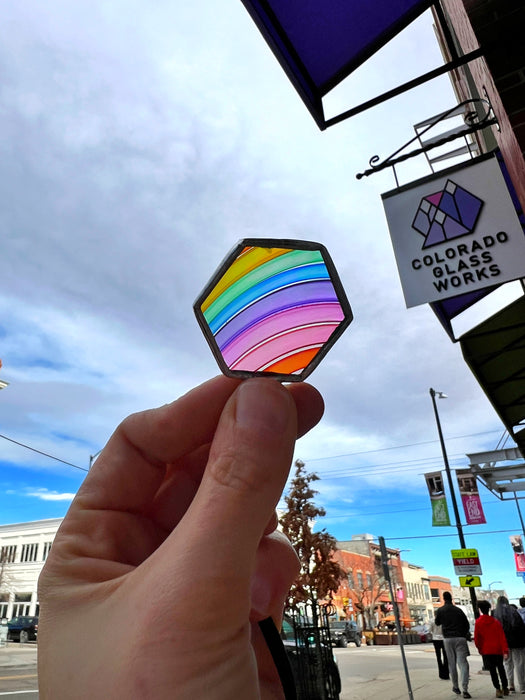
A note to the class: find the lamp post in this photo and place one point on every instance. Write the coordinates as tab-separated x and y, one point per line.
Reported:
92	458
490	591
459	526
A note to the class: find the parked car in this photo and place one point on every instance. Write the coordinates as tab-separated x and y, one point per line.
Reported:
314	666
344	631
425	635
22	629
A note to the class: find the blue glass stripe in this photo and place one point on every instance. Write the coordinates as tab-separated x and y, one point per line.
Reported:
284	279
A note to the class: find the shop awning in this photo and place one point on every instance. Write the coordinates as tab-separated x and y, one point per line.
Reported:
320	42
495	352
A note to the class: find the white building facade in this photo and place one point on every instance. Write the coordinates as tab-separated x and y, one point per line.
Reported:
419	599
23	550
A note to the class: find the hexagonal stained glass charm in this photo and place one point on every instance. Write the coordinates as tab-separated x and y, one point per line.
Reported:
273	309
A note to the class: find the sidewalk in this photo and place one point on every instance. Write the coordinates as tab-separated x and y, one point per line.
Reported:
15	655
424	681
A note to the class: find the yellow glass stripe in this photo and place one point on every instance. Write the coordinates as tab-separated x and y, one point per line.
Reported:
248	260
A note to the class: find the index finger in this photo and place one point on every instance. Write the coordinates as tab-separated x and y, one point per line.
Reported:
131	468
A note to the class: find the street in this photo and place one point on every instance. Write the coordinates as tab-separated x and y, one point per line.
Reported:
367	673
19	682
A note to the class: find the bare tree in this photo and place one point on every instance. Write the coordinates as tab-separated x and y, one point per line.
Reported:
367	596
320	574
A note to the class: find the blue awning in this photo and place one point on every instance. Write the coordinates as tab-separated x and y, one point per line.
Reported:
320	42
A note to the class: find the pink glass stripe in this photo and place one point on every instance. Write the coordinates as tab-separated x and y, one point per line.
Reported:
285	320
284	344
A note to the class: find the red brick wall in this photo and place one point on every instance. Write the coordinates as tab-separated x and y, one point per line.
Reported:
364	564
501	73
441	586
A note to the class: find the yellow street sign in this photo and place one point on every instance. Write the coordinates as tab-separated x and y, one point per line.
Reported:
463	553
469	581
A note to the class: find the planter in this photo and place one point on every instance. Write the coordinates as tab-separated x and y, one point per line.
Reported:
369	637
382	638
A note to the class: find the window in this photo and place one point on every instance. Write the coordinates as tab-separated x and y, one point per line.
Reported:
360	580
4	604
369	581
350	576
45	550
8	554
435	593
29	552
427	591
22	604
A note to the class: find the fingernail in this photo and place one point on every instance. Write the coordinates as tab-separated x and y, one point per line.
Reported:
263	404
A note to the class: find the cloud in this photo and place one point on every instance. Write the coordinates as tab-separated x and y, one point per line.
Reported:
45	495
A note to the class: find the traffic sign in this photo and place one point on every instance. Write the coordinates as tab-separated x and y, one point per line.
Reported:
469	581
466	562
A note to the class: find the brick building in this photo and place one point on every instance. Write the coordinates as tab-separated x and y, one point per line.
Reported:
497	27
438	585
363	595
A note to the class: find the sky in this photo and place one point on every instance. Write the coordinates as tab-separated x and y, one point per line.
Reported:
139	142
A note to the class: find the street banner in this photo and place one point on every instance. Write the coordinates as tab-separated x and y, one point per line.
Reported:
438	499
468	490
454	232
519	557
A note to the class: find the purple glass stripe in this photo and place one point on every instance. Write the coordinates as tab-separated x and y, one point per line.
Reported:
281	322
297	295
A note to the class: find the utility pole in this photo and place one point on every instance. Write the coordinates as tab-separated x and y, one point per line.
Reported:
459	526
388	579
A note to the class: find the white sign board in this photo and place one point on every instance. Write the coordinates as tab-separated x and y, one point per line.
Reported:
455	232
466	562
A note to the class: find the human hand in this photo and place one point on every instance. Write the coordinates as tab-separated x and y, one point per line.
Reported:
168	558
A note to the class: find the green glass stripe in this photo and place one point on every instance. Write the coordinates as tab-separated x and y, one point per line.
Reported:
294	258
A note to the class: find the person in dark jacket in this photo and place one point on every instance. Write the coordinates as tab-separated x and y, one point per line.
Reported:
514	629
456	629
439	648
491	643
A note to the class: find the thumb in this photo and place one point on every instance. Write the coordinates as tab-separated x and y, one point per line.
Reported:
246	472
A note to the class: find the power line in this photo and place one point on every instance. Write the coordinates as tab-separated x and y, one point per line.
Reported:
372	469
452	534
33	449
398	447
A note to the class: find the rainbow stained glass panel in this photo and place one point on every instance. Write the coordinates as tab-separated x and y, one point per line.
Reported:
273	308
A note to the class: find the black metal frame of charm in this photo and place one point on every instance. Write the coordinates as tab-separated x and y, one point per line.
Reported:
292	244
475	121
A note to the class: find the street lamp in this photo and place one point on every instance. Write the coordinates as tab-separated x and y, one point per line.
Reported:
92	458
491	596
459	526
493	582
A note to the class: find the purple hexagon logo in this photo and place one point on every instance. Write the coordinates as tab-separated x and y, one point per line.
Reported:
446	215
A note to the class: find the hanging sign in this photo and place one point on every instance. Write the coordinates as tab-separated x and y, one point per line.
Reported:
519	557
438	499
466	561
455	232
468	489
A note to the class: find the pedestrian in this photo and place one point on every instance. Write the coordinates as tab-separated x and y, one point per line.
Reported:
439	648
456	629
169	557
514	629
521	609
491	643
